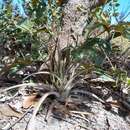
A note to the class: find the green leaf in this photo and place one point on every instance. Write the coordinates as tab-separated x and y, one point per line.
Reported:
94	49
126	34
104	78
128	81
26	26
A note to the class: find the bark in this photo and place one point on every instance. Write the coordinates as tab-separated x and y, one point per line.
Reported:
75	20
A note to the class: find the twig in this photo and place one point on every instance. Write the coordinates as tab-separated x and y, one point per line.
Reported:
108	123
70	122
12	125
49	111
108	59
81	112
81	117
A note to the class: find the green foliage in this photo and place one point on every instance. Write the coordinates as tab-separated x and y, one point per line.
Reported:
128	81
102	22
26	41
94	49
14	40
26	38
120	76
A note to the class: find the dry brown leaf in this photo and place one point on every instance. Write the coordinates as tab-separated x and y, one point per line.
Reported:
30	100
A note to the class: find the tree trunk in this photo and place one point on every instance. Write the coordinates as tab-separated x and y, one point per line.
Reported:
74	20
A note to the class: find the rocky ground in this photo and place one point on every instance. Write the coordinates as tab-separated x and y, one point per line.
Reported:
90	114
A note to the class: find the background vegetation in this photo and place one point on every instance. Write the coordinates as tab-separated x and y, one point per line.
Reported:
30	51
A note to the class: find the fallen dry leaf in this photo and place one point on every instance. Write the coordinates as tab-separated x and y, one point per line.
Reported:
30	100
6	110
